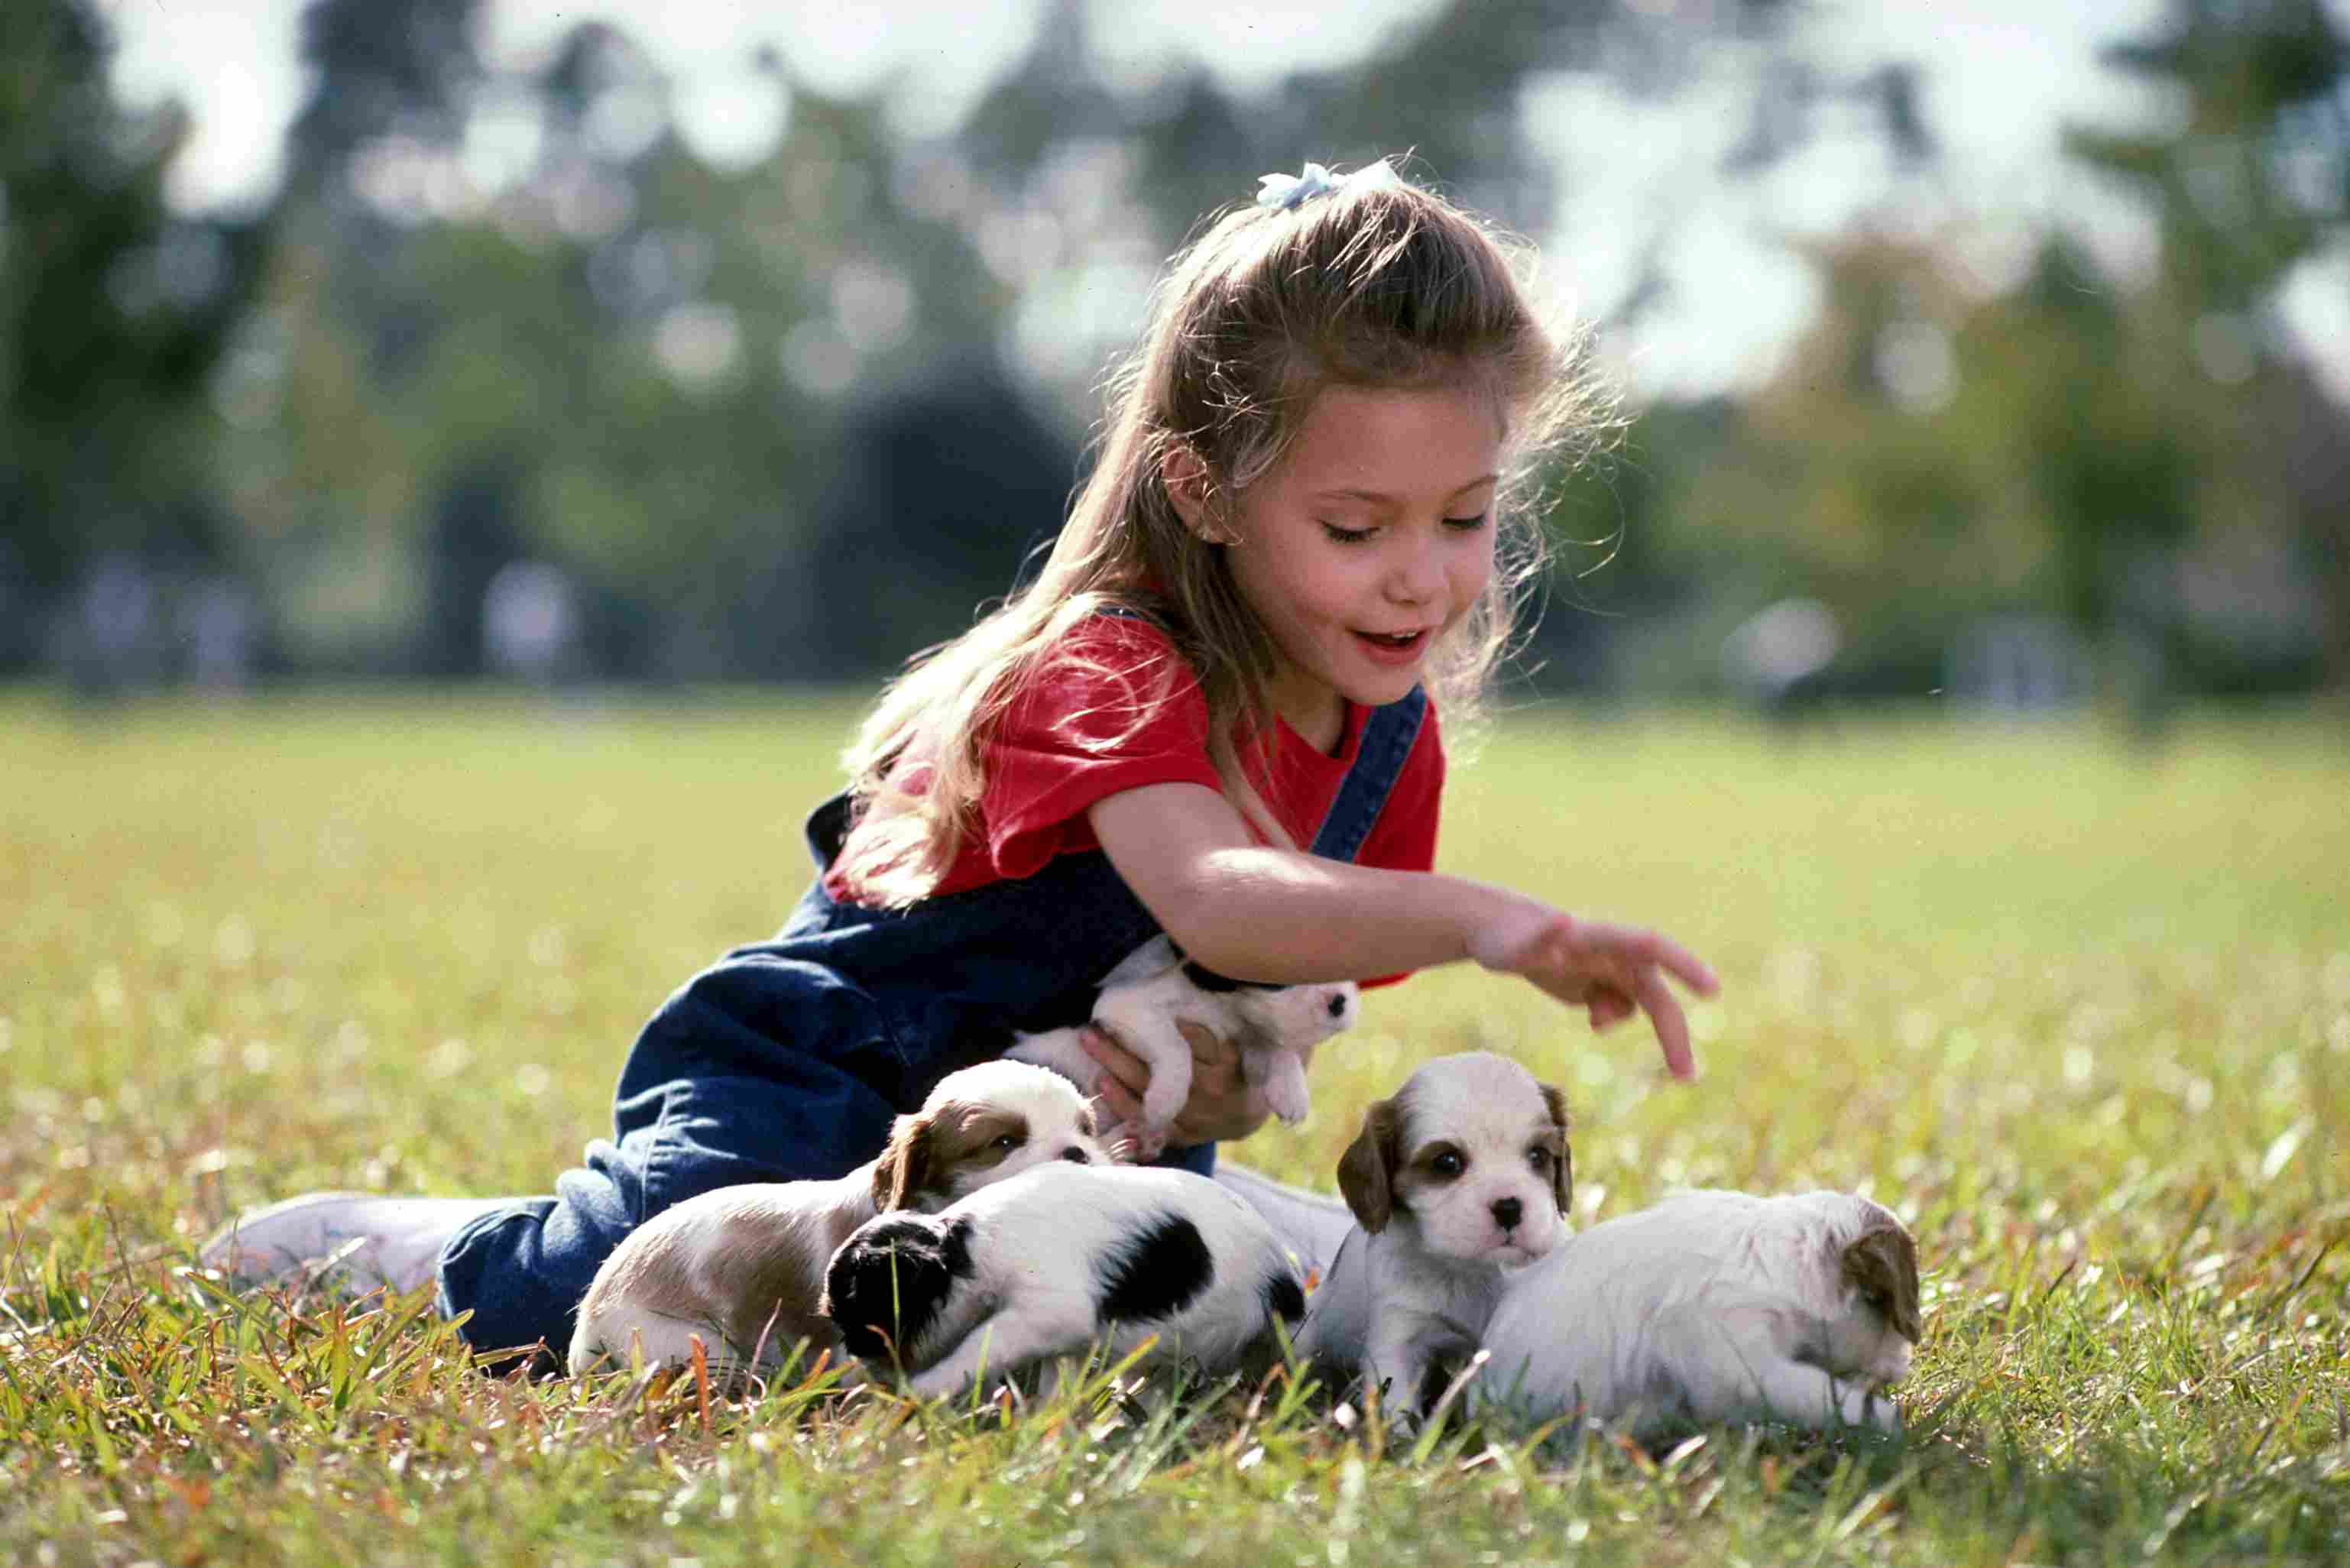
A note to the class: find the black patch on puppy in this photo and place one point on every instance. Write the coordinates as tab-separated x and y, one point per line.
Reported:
1283	1297
885	1286
1157	1274
1208	980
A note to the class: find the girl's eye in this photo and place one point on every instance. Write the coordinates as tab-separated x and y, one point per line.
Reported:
1339	536
1447	1164
1467	525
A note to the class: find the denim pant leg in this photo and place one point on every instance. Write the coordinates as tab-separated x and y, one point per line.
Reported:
691	1119
522	1269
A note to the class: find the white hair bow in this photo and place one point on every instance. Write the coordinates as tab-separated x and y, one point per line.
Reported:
1284	192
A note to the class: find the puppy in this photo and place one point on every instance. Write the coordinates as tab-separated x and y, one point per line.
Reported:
1056	1260
1155	985
1715	1306
742	1267
1463	1176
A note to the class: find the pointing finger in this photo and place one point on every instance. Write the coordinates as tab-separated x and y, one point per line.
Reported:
1664	1011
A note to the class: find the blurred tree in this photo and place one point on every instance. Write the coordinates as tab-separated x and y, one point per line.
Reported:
620	358
2254	174
1932	454
113	317
2250	179
514	311
946	487
1083	183
384	67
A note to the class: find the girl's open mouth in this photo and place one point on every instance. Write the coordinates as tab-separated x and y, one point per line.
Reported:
1393	648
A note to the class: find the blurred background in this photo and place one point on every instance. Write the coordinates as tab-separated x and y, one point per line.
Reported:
1990	351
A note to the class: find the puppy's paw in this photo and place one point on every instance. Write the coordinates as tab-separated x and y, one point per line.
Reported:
1163	1102
1283	1081
1134	1144
1873	1408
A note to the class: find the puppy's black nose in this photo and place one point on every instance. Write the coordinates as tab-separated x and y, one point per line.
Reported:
1338	1006
1507	1212
1074	1156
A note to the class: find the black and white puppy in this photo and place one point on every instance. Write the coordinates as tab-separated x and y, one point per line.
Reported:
1152	988
1057	1261
1715	1306
1462	1177
741	1267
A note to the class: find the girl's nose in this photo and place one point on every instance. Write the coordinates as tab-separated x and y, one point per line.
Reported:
1419	575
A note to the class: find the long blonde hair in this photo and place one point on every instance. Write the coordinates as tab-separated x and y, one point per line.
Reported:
1379	283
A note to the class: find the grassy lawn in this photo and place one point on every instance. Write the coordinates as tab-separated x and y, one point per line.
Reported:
2080	1013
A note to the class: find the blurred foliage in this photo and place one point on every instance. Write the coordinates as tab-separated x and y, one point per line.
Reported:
113	313
800	413
2141	461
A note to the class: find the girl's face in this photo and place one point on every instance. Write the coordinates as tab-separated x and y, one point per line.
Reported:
1366	544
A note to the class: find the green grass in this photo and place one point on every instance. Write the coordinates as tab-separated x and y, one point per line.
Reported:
2080	1013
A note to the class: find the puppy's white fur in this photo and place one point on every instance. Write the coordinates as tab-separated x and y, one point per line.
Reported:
1057	1261
741	1267
1461	1178
1715	1306
1152	988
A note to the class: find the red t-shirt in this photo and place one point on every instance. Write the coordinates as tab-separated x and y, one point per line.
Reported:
1072	738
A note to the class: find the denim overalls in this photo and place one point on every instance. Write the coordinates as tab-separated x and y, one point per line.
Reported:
788	1059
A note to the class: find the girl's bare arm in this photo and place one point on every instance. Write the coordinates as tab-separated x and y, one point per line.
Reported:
1259	913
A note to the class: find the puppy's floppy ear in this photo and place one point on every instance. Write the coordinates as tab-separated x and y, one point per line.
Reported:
1882	1266
1366	1170
1561	1170
904	1167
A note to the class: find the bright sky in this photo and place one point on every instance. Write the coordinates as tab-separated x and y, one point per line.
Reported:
2002	77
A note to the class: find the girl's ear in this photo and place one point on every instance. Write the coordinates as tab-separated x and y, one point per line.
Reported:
1187	480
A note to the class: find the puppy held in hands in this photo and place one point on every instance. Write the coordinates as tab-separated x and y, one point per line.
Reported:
1461	1179
1056	1262
1155	986
1715	1306
741	1267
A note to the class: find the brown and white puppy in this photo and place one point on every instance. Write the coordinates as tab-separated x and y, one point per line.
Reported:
1714	1306
1275	1027
1461	1177
741	1267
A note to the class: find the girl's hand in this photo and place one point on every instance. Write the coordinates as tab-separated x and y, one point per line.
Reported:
1611	971
1221	1107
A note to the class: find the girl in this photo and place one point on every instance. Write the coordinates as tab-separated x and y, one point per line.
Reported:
1214	712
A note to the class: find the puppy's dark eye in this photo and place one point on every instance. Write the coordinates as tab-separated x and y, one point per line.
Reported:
1539	1159
1447	1165
1007	1143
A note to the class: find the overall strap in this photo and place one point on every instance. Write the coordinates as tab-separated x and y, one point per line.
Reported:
1389	734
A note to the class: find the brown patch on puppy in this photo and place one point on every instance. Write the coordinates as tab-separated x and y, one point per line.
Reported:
927	1153
1882	1266
905	1163
1366	1170
756	1280
764	1275
1561	1168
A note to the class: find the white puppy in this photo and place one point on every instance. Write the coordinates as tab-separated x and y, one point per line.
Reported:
1152	988
1057	1261
1715	1306
1464	1175
741	1267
